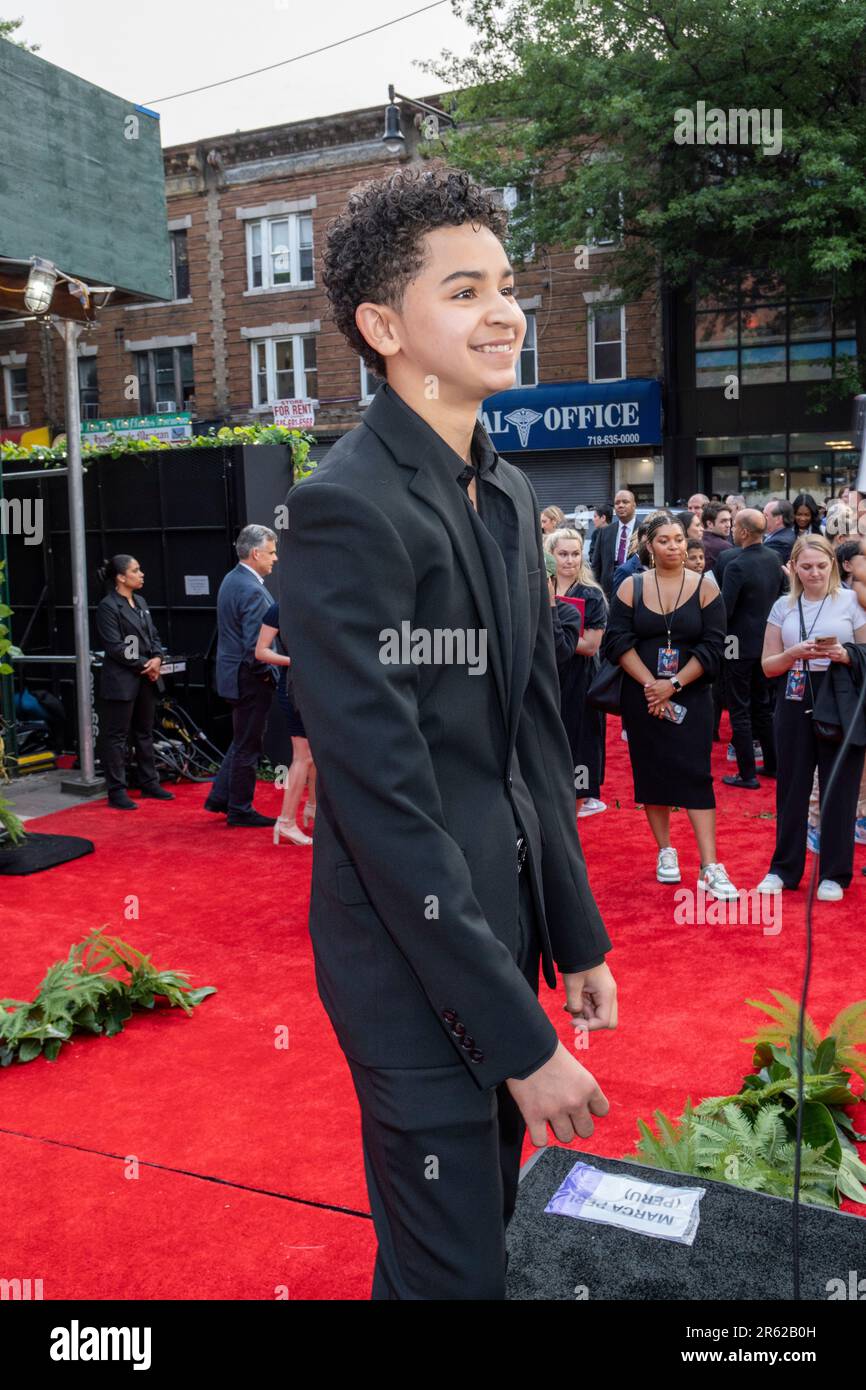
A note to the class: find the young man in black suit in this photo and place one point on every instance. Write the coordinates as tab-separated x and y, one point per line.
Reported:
613	543
751	581
414	604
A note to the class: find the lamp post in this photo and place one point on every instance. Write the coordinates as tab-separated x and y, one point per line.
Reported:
426	121
38	296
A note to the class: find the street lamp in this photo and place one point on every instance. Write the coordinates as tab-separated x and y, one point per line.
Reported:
427	120
39	290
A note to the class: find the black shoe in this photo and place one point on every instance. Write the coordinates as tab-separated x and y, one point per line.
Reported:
157	794
122	802
249	818
735	780
218	807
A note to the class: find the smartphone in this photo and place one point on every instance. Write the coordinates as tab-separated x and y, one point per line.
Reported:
824	641
675	713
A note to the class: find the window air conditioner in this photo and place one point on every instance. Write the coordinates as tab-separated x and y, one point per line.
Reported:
165	407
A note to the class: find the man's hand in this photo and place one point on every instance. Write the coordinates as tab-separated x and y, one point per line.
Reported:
151	668
591	998
562	1094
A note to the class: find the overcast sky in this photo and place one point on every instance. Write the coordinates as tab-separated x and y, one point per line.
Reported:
146	52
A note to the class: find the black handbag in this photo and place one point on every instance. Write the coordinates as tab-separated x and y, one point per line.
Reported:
605	689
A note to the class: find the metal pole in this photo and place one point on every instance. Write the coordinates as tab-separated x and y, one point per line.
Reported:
86	783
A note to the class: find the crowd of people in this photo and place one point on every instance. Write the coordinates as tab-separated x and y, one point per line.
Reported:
722	605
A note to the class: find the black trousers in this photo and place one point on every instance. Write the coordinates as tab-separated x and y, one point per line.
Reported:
799	752
235	783
122	720
442	1160
748	696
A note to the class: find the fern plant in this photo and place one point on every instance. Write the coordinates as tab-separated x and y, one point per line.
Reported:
81	993
749	1139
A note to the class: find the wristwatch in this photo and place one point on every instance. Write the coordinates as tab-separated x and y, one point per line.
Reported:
677	684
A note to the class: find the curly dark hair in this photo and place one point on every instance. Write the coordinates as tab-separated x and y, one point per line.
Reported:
374	247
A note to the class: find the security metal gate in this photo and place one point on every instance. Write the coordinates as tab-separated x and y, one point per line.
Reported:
567	478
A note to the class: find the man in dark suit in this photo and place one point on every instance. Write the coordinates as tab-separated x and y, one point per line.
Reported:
446	858
751	581
247	684
601	517
612	548
780	535
716	520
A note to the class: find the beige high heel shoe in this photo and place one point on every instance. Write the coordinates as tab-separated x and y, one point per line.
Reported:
286	830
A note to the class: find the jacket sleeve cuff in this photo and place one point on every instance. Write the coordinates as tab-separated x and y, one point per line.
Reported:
521	1076
579	969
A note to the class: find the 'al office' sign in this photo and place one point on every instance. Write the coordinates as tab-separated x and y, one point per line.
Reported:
575	415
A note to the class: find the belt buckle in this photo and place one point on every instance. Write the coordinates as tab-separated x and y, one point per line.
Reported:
522	848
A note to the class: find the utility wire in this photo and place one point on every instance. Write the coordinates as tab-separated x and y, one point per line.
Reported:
311	54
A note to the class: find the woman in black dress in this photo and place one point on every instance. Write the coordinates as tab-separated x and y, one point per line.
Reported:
303	769
667	632
129	681
584	724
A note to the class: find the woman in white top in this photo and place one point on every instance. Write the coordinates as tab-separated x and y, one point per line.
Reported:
807	630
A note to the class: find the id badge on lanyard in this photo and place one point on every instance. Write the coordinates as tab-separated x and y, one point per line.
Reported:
668	663
795	686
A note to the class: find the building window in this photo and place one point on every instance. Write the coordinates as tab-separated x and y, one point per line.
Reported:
370	381
763	338
280	251
88	388
165	380
179	264
17	404
764	466
607	342
516	200
284	369
527	364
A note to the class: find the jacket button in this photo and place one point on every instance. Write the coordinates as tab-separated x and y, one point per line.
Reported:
509	781
449	1015
468	1043
476	1055
458	1030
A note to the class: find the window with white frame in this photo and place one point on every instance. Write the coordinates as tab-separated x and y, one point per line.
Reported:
527	363
370	381
88	387
17	403
607	342
516	200
284	369
280	251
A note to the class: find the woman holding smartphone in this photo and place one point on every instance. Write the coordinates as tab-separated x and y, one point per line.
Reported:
667	632
806	632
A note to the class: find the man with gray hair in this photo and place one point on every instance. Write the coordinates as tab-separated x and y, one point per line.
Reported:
247	684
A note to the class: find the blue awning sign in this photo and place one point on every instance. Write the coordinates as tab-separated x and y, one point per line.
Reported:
575	415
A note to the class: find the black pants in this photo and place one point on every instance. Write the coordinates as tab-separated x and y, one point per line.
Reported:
122	720
799	751
748	696
442	1160
235	783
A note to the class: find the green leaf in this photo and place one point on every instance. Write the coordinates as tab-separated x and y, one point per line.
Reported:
819	1131
30	1048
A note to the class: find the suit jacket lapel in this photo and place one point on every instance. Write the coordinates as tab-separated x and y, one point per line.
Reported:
414	446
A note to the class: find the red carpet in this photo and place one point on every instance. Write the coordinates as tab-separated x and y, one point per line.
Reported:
246	1150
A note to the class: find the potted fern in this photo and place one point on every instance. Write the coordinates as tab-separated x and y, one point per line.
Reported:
749	1139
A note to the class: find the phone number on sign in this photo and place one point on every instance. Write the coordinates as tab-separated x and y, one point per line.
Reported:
613	439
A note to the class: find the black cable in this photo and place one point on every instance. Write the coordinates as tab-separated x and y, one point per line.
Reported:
350	38
807	973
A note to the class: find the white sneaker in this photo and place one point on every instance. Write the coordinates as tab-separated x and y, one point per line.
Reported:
714	880
829	891
770	883
591	807
860	830
731	755
668	866
624	736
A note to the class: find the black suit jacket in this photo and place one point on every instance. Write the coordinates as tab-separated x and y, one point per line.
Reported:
604	556
423	768
782	541
751	581
117	623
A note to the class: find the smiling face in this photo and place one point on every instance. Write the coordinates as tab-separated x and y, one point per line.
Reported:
457	335
803	518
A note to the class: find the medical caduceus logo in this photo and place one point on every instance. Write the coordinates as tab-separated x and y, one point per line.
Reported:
523	420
